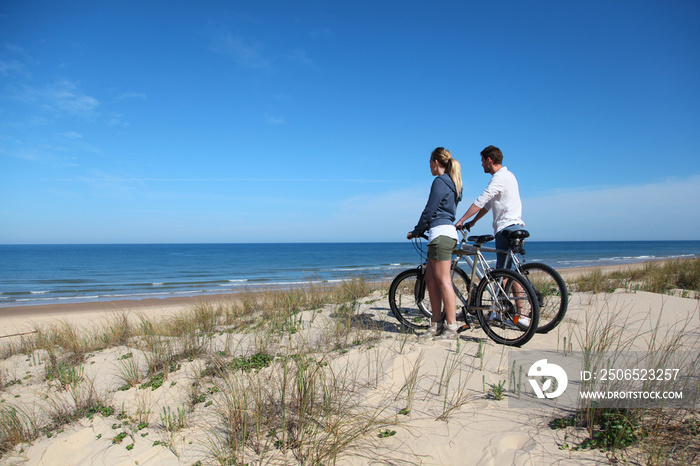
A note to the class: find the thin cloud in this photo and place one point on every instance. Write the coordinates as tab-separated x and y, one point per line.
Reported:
300	56
66	96
12	68
247	53
131	95
253	180
276	120
62	97
386	216
666	209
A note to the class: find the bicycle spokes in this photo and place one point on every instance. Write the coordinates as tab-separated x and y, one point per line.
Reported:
507	308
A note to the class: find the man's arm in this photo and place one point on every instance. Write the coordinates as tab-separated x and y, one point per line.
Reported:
480	214
473	209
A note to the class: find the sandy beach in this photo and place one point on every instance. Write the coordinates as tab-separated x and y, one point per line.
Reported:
425	402
19	319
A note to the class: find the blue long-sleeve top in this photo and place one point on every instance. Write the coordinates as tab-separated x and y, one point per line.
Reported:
441	207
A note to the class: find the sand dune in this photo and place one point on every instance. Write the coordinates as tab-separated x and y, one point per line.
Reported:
414	402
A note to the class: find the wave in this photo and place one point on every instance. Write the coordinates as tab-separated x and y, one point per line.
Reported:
139	294
611	260
141	272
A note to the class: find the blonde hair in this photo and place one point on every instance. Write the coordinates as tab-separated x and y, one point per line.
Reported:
451	166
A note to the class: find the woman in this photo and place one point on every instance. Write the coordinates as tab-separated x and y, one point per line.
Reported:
438	218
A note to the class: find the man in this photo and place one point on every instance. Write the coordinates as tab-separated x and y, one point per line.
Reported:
502	196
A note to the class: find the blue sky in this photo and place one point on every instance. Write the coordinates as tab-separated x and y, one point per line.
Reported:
274	121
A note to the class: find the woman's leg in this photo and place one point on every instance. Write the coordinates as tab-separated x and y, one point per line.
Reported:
442	282
434	291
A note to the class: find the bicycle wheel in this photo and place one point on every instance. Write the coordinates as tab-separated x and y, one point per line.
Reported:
409	300
503	298
551	291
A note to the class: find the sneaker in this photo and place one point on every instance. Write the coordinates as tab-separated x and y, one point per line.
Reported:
495	317
450	332
522	322
434	330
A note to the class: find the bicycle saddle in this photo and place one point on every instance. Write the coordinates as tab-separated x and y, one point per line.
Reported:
480	239
519	234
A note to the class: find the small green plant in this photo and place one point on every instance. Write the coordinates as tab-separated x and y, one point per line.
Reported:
565	445
65	373
564	422
618	428
119	437
255	362
104	411
497	390
387	433
155	382
693	425
174	421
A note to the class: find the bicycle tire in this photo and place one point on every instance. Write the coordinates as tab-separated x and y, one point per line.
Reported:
502	301
551	291
409	301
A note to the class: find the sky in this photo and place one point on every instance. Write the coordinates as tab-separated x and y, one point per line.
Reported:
313	121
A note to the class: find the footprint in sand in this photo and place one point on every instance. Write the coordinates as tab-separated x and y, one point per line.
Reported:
509	448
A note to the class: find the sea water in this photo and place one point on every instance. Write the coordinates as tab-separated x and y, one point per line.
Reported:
46	274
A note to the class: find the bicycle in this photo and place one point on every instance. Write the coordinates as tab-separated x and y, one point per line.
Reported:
552	293
550	289
499	300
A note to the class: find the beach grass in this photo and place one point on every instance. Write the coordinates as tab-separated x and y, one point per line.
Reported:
272	392
299	376
642	434
656	277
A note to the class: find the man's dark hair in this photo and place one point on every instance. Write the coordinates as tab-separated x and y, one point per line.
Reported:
494	153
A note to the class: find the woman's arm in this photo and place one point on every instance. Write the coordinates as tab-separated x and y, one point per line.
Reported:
438	190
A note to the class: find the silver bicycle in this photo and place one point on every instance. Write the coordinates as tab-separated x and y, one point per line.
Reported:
550	288
503	302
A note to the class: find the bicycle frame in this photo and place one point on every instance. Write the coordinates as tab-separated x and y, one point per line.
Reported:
472	255
511	259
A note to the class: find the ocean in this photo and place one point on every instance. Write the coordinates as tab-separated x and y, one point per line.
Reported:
48	274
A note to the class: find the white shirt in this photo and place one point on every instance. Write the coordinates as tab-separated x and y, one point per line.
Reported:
442	230
502	197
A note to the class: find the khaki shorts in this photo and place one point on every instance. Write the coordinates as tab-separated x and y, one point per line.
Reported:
440	249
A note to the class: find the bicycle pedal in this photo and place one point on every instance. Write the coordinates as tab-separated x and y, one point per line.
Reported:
464	328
